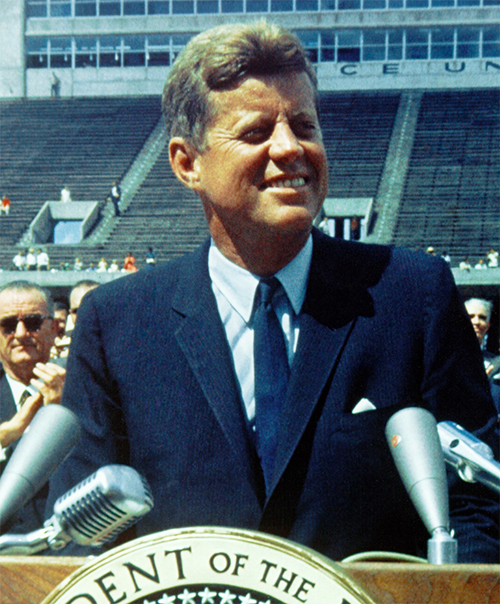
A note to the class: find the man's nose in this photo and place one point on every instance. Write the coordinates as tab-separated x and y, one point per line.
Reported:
285	146
21	330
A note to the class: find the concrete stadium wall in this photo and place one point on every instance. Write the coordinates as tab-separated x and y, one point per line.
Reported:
12	54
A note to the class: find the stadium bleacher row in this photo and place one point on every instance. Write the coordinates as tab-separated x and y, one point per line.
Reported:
450	199
452	193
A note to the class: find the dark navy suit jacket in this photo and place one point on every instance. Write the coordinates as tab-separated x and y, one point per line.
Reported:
151	376
30	518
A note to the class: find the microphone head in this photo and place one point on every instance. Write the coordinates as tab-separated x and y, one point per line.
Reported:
52	434
103	505
416	449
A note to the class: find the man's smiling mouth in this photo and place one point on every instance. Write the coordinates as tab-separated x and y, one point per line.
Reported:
284	183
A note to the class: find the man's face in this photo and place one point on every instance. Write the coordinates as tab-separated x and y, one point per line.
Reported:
479	318
263	168
22	349
61	316
75	299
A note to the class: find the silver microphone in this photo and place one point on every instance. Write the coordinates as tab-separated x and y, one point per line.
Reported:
52	434
92	513
414	443
472	458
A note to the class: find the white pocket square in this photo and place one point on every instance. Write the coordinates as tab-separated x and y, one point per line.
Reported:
363	405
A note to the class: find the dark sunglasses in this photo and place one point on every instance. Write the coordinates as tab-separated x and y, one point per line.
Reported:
31	322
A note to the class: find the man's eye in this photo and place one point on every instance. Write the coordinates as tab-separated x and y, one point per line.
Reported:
305	128
255	135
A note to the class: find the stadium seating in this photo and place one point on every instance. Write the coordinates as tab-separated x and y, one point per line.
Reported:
450	199
452	195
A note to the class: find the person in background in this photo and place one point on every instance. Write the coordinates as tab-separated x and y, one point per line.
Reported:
55	86
102	266
113	267
5	206
31	264
19	261
465	265
150	257
250	381
492	257
129	263
65	194
76	296
479	311
27	379
60	348
42	260
115	195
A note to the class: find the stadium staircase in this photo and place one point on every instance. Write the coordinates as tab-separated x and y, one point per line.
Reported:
392	181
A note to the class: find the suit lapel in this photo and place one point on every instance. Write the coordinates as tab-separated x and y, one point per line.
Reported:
337	294
202	338
7	405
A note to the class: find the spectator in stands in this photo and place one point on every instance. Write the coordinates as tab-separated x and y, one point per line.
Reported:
480	265
42	260
129	263
27	379
102	266
61	313
76	296
31	264
150	257
5	207
113	267
492	256
65	194
465	264
61	342
446	257
479	311
78	265
55	86
430	250
115	196
19	261
355	229
164	374
327	226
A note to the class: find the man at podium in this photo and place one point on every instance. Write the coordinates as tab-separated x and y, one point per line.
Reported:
250	381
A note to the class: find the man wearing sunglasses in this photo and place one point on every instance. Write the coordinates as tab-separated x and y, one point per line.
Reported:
27	379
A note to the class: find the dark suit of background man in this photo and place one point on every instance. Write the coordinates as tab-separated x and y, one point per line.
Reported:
27	379
161	369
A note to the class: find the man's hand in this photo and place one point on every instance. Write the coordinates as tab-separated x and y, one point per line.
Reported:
13	429
50	382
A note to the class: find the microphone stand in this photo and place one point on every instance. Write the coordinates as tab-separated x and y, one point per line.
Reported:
441	547
24	545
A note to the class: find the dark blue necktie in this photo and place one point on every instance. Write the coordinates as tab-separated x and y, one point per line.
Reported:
271	374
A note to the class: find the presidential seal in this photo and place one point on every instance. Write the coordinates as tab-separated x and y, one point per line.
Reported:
209	565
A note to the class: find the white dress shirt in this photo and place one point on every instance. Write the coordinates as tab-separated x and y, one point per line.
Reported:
234	289
17	389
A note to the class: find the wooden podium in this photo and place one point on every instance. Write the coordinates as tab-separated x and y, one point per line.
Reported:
29	579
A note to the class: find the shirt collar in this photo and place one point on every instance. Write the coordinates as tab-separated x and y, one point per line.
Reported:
17	388
238	285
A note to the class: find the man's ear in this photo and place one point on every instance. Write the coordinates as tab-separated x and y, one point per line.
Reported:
183	159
